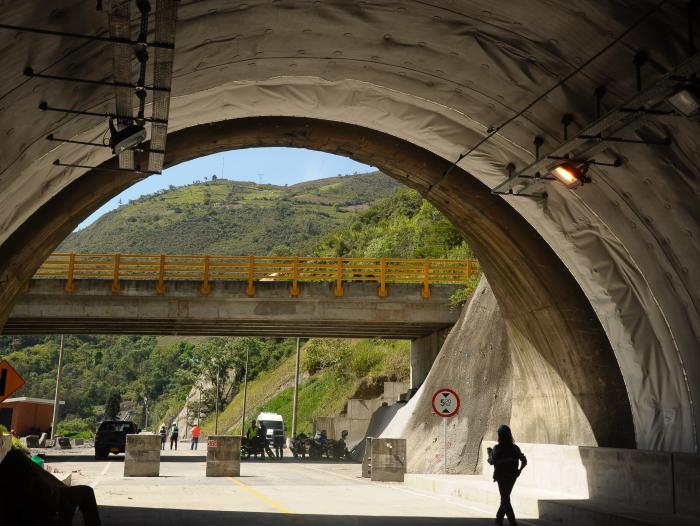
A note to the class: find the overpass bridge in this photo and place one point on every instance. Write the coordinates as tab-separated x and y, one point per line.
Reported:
249	295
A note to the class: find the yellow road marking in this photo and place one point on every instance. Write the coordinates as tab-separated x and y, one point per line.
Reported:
262	497
267	500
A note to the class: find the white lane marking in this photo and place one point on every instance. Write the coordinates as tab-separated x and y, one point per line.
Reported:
95	482
441	498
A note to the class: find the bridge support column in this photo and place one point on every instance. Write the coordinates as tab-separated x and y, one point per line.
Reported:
423	353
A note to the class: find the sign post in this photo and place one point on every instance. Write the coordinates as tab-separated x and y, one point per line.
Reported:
10	380
446	405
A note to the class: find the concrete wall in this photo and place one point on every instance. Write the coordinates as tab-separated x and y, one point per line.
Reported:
653	481
686	483
358	414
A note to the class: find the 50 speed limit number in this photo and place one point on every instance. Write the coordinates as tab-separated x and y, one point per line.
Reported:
445	402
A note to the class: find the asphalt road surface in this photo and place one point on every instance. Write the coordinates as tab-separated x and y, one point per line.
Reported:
278	493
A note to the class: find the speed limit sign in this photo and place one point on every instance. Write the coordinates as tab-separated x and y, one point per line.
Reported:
445	402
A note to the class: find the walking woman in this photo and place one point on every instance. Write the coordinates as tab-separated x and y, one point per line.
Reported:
507	461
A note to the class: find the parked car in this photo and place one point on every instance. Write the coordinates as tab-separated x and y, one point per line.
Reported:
111	437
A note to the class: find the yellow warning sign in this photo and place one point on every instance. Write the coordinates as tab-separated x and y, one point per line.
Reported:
10	380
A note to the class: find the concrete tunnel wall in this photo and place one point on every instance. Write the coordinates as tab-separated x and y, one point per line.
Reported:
437	78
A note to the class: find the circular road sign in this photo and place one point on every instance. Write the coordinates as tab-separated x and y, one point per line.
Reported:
445	402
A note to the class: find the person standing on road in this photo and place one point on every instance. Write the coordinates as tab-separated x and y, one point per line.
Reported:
252	438
195	437
262	441
508	462
163	436
174	432
278	440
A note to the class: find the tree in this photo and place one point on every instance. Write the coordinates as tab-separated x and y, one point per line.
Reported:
113	405
224	359
217	366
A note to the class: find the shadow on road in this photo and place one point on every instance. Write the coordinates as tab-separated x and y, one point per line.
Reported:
307	460
182	459
55	459
124	516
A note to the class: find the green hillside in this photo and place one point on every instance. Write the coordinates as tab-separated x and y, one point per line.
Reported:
225	217
333	371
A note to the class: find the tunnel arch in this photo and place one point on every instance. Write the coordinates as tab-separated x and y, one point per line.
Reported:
437	77
570	387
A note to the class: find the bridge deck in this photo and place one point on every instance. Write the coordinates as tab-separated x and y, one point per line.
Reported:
227	309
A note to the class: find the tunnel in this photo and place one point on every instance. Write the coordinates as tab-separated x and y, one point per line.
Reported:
457	100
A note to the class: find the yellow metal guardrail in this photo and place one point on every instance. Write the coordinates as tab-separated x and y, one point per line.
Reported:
251	269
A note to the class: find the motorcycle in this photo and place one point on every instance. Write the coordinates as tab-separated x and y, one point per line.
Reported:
338	448
250	447
318	446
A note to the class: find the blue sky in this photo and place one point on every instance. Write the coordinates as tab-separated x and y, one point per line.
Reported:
267	165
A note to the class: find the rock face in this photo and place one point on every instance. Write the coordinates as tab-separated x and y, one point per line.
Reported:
475	361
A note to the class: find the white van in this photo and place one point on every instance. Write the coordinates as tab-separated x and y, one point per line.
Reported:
274	425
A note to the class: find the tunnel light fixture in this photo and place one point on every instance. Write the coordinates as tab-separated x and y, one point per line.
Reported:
686	101
569	175
127	138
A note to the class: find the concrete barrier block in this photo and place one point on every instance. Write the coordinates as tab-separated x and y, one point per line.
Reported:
388	459
650	480
223	456
31	441
63	442
5	446
78	442
686	473
142	457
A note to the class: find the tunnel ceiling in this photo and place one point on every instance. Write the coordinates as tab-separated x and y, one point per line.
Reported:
439	75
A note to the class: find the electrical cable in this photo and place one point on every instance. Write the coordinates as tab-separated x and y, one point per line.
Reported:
560	83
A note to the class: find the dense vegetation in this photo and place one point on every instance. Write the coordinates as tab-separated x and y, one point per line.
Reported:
94	366
225	217
402	225
135	368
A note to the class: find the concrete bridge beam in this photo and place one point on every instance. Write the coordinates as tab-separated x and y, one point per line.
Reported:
424	351
227	309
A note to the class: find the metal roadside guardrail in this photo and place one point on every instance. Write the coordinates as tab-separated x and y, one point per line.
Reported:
163	268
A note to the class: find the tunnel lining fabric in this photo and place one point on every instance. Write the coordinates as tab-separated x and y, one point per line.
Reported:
628	241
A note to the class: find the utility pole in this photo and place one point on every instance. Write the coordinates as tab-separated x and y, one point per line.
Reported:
296	391
245	390
145	410
55	396
199	409
216	418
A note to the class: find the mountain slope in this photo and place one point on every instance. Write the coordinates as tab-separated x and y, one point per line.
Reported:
232	218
